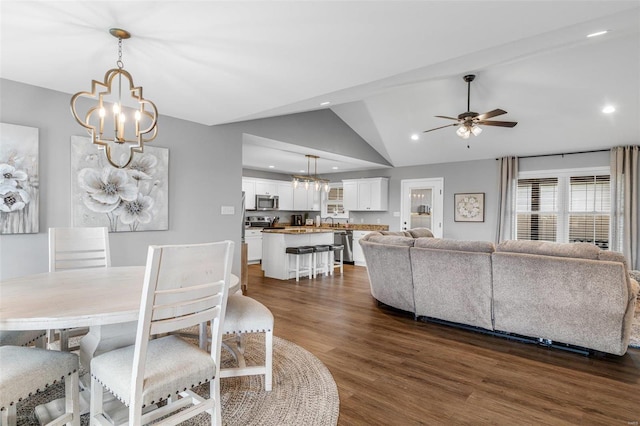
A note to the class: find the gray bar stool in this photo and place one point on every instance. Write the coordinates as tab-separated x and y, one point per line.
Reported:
321	261
338	263
302	251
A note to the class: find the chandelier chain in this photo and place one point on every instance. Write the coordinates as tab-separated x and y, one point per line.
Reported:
119	61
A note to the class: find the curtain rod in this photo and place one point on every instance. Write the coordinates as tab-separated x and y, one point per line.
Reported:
563	154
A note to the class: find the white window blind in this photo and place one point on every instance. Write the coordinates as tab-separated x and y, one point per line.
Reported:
589	210
537	209
567	207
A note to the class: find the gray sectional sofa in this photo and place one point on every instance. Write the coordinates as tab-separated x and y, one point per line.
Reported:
572	294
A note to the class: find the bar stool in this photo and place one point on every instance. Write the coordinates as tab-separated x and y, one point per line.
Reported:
338	263
301	251
321	261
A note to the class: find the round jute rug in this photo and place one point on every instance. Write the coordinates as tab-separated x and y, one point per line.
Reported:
304	392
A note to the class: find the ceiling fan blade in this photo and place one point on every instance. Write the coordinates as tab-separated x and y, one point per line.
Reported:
441	127
494	113
448	118
498	123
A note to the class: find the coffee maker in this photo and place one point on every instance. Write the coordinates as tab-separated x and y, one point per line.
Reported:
297	220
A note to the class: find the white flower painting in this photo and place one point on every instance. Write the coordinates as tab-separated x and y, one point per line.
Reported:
125	200
19	180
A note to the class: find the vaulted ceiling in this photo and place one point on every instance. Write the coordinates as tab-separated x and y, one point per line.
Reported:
386	67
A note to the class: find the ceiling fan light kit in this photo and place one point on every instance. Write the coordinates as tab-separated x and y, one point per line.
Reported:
469	122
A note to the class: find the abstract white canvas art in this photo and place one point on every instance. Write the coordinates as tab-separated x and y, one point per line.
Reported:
124	200
19	180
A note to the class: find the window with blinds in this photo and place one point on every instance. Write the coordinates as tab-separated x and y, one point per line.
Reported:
564	208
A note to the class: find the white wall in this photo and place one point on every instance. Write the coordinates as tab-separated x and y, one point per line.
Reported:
205	170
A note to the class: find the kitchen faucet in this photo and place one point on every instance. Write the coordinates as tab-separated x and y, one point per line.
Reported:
332	223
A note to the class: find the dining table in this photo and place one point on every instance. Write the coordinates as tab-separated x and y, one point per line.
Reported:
107	300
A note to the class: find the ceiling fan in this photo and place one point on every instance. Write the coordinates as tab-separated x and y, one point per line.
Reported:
468	122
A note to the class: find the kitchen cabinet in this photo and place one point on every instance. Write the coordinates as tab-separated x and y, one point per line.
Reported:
366	194
249	188
358	254
306	199
285	194
253	238
266	187
350	195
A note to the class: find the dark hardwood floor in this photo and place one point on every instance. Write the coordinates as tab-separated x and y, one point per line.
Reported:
393	370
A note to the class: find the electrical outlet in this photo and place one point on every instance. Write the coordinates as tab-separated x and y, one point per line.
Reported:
396	214
227	210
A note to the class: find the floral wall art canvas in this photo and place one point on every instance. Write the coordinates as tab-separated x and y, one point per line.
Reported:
125	200
19	180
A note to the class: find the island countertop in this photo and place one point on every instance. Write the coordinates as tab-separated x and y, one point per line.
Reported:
296	231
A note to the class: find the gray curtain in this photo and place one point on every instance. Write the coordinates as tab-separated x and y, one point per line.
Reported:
508	179
625	202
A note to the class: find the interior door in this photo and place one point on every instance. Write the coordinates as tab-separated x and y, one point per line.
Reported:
422	204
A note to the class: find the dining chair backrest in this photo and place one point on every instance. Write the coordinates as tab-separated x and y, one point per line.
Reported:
77	248
184	286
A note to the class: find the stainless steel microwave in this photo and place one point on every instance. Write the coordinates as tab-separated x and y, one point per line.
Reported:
267	202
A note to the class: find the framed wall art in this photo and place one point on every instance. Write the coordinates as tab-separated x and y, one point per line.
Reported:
469	207
19	180
132	199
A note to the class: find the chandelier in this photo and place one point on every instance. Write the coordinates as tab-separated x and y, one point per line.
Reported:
309	179
118	116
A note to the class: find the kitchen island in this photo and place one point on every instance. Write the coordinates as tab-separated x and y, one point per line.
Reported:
275	261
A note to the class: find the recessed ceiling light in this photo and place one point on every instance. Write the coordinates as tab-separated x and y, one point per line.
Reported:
415	137
335	167
272	167
596	34
325	103
608	109
302	171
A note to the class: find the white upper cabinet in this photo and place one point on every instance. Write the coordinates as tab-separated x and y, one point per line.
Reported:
366	194
266	187
249	188
306	199
350	195
285	195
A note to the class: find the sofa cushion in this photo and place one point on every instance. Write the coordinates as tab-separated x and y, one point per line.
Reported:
547	248
455	245
420	232
394	240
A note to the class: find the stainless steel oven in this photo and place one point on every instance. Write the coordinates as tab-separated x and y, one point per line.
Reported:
267	202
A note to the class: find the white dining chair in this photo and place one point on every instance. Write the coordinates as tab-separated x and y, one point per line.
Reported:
184	286
36	338
26	371
77	248
245	315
